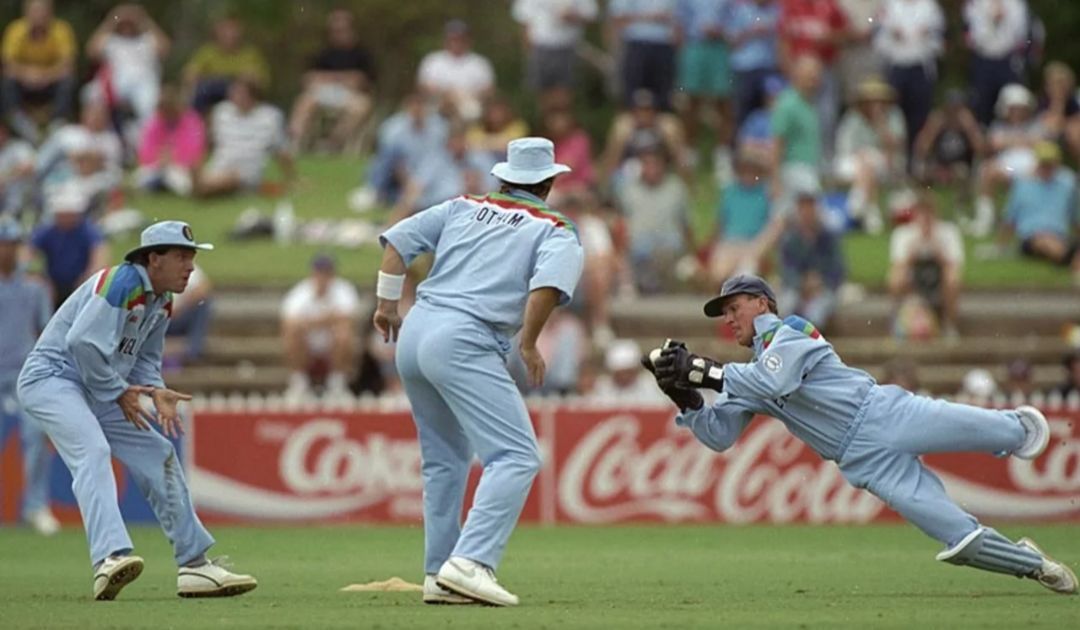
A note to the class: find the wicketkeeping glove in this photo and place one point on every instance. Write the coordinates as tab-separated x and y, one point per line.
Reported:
682	397
677	367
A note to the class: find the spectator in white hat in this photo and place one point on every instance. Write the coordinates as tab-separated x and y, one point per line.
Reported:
71	247
624	381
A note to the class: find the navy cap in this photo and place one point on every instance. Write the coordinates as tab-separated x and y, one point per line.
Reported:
323	262
738	285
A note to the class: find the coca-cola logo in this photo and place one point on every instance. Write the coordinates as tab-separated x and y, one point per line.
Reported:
611	475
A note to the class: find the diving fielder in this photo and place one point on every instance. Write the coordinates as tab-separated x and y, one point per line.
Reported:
82	383
502	263
874	433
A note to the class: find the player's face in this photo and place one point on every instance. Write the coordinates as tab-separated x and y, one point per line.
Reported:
739	313
172	270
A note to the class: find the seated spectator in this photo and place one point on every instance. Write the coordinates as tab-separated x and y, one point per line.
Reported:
246	132
1071	386
1059	108
870	144
215	65
656	206
950	141
190	323
755	135
643	124
70	247
811	264
16	173
573	147
456	77
1011	139
404	139
318	328
129	46
751	30
498	125
553	31
340	79
38	52
1041	211
172	146
647	32
87	156
927	259
742	215
448	172
624	381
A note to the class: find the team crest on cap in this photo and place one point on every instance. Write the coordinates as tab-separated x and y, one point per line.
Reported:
187	233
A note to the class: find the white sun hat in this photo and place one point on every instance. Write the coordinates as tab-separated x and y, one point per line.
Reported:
167	233
529	161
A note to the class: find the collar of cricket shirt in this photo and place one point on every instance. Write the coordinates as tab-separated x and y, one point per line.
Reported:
763	325
147	285
517	192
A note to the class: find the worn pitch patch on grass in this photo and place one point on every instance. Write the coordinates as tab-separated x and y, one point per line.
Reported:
567	577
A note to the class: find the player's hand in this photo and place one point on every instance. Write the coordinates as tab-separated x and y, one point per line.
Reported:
683	398
534	365
133	411
168	418
677	367
387	321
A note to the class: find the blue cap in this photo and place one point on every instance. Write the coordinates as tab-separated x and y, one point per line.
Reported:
10	231
167	234
323	262
738	285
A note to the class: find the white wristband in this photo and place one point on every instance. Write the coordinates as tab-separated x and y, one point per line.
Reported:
389	286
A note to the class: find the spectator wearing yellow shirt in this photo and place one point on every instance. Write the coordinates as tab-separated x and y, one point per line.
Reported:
38	52
215	64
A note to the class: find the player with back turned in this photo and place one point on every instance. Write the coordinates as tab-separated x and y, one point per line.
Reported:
83	383
502	263
874	433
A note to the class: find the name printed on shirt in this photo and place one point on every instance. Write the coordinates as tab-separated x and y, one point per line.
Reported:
489	216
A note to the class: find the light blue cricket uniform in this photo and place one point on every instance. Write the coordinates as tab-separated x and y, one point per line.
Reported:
25	308
108	335
875	433
490	252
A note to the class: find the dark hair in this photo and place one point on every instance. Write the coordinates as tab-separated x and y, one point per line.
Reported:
142	257
540	189
772	305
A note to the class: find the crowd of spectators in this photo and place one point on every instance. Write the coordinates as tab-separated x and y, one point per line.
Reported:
810	113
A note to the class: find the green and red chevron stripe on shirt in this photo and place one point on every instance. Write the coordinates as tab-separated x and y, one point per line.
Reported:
792	321
535	209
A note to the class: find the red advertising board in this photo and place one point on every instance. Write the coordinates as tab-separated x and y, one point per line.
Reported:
601	466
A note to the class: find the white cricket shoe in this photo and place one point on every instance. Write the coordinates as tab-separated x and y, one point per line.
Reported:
435	594
475	581
1054	575
113	574
43	522
1037	431
212	580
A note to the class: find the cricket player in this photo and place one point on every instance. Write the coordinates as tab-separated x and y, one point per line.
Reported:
82	383
874	433
502	263
25	308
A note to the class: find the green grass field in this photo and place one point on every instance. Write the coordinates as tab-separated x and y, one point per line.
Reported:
611	577
326	181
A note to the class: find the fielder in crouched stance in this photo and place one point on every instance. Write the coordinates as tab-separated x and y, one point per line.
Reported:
874	433
82	383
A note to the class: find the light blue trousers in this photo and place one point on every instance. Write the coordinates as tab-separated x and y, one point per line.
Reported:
35	453
464	401
87	434
897	427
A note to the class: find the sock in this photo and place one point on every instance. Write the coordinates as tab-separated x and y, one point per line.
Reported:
197	562
335	381
857	202
298	380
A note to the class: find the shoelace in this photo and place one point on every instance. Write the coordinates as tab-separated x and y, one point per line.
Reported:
221	561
